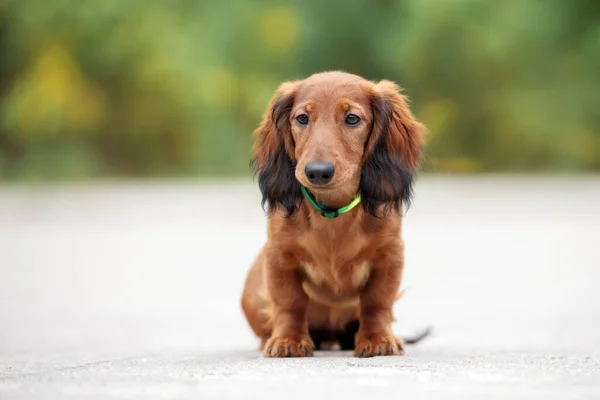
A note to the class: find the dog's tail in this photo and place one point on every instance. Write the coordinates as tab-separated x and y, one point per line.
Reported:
417	338
420	336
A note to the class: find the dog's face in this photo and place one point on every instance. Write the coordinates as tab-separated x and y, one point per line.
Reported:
337	134
330	123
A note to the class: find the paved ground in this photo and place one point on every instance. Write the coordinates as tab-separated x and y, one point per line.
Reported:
121	290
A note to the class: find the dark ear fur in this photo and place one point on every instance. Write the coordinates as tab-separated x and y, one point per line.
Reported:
392	152
271	155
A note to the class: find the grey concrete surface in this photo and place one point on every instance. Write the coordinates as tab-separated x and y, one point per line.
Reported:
131	290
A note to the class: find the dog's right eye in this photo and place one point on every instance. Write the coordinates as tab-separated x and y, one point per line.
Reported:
302	119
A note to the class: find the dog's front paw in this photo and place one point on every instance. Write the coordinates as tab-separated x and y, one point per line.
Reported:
378	345
289	346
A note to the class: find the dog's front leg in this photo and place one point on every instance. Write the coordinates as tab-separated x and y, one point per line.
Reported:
290	337
375	336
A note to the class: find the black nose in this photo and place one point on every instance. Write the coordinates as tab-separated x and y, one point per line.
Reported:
319	172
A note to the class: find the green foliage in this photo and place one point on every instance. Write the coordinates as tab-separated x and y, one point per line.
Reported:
145	88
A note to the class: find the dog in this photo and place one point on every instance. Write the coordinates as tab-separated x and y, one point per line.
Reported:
335	156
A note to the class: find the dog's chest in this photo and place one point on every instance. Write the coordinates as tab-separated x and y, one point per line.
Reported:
336	261
337	276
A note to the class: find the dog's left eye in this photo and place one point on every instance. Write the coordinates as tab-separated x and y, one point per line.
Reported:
352	119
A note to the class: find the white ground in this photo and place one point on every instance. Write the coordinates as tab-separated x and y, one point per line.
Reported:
131	290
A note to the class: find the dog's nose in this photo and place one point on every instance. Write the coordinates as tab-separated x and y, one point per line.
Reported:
319	172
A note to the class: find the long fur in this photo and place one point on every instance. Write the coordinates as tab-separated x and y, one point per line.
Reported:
386	180
274	166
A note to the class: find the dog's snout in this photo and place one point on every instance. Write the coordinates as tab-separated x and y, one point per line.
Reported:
319	172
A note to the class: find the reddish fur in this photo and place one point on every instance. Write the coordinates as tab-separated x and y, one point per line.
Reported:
323	273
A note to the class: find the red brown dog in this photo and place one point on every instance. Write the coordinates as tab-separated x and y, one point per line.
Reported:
335	156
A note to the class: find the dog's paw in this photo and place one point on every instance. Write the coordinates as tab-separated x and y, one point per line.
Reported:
289	346
378	345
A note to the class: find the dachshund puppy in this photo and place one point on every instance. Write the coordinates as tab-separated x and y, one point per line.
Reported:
335	156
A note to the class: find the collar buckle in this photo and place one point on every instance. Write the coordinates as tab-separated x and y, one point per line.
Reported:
330	213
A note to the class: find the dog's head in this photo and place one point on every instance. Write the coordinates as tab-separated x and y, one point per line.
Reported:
338	135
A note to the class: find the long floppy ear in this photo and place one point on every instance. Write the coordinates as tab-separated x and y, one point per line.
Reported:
392	152
272	154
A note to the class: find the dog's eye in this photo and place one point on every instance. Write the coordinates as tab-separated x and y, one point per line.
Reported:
302	119
352	119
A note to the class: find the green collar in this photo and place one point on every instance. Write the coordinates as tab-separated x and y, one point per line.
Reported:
328	212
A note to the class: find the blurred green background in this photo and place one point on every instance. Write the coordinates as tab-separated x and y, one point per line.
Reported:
175	88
